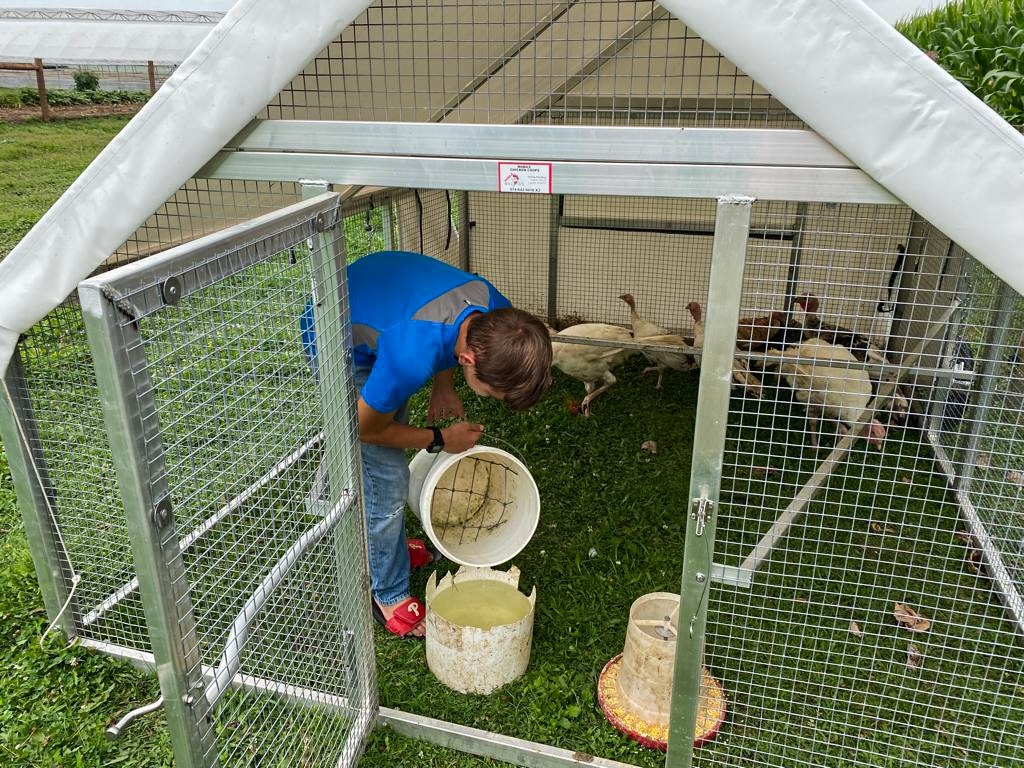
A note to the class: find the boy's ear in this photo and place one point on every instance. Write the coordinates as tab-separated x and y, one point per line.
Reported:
467	358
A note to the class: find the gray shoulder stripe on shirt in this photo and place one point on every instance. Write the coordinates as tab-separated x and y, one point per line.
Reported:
446	307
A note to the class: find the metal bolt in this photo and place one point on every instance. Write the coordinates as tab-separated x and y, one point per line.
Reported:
171	291
701	577
188	700
162	513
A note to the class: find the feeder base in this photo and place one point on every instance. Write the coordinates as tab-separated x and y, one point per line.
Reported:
710	715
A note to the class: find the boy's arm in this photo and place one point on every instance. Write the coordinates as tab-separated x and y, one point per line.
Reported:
381	429
444	401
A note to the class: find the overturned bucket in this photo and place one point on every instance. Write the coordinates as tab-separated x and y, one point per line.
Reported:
479	507
479	628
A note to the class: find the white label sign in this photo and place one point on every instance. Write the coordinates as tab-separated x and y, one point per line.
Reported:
533	178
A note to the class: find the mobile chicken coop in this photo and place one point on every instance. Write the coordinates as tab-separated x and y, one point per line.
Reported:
861	606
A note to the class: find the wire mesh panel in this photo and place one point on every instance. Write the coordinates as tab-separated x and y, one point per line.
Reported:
598	62
74	518
241	488
868	602
862	625
973	421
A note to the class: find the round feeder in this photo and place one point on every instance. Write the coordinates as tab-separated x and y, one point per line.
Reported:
635	687
479	507
479	628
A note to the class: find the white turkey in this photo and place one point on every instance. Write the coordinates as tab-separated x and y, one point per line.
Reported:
860	346
591	363
740	372
831	384
652	333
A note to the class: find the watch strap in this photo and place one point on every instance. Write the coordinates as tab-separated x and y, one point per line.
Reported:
437	444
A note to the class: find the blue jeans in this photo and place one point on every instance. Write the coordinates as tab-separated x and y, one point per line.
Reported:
385	485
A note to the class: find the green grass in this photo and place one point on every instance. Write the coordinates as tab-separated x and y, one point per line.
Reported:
37	163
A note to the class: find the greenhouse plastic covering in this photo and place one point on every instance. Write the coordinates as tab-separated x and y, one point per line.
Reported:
66	41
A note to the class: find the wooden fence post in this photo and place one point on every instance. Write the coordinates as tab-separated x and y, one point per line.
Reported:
44	105
152	77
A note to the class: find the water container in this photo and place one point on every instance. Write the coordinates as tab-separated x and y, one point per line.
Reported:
479	508
474	646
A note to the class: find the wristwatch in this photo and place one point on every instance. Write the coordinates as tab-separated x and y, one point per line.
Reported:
437	444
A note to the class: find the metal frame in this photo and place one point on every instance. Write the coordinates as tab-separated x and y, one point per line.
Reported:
190	689
728	255
130	414
765	164
660	162
789	165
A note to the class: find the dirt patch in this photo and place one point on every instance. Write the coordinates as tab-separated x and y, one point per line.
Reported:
23	114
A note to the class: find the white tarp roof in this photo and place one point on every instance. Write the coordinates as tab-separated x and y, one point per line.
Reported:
835	63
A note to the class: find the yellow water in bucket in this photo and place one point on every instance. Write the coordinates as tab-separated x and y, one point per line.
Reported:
483	604
479	628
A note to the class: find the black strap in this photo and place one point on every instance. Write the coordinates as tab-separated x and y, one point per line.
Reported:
889	303
419	208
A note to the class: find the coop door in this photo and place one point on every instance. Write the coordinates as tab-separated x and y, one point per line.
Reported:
237	455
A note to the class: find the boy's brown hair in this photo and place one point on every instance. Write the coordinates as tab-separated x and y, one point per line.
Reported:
513	355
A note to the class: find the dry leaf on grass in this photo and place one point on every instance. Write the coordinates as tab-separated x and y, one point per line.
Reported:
911	619
915	659
855	629
649	445
982	460
1015	476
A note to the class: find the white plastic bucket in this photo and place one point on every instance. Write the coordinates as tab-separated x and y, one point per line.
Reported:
479	507
469	658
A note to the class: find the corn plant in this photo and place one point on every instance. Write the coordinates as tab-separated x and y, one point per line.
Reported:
980	43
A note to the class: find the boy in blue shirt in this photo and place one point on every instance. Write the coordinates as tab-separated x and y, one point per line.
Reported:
414	319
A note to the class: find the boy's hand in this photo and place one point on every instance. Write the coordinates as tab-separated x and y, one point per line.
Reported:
444	403
461	436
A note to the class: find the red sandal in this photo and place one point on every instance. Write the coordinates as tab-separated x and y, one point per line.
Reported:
408	614
419	553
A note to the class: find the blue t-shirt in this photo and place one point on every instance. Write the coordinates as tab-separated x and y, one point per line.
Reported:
406	309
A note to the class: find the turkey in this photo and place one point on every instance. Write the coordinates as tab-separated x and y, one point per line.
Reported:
860	346
755	334
830	386
740	372
591	363
651	333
